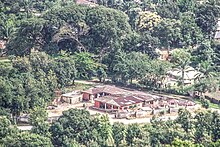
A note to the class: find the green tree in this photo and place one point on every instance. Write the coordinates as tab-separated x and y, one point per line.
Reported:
191	34
215	127
5	93
78	125
156	75
204	52
133	132
5	128
30	35
186	5
131	66
185	119
105	130
169	33
181	143
27	6
65	29
108	28
26	139
101	74
148	45
38	119
7	26
207	15
119	133
85	65
181	60
168	9
65	70
202	127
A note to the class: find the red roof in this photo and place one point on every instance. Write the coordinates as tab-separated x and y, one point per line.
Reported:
106	89
85	2
128	100
120	100
2	44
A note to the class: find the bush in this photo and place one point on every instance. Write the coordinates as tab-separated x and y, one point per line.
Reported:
162	112
205	103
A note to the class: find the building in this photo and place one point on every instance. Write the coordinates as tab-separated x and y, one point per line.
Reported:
72	97
217	33
2	44
91	3
163	54
118	102
98	91
174	77
2	47
115	99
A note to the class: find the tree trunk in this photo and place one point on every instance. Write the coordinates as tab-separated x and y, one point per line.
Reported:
182	78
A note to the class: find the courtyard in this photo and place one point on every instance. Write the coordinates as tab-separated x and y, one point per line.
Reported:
122	105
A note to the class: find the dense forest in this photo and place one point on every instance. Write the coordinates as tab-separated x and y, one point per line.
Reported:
77	128
51	43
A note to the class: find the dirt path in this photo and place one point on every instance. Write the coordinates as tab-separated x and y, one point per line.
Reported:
89	82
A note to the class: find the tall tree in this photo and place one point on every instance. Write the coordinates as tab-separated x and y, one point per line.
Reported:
108	28
185	119
207	15
190	32
169	33
181	59
85	65
133	132
6	129
38	118
26	139
186	5
119	133
65	70
29	36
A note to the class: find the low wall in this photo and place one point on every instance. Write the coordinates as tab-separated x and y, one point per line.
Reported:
213	100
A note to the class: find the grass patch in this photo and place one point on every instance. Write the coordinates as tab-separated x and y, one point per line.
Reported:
4	59
211	105
214	95
78	86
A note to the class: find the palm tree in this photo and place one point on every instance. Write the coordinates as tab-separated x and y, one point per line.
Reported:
207	78
7	27
206	69
27	7
181	59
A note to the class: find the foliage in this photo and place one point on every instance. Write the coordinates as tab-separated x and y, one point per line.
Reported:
205	103
85	65
181	60
169	32
119	133
147	21
80	127
5	128
206	17
26	139
54	42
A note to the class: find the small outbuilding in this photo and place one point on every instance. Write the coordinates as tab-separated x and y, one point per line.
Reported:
72	97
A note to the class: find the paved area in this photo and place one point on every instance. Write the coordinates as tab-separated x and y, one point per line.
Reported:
112	119
24	128
65	106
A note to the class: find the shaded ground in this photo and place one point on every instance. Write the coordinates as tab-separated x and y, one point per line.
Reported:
112	119
215	95
82	85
